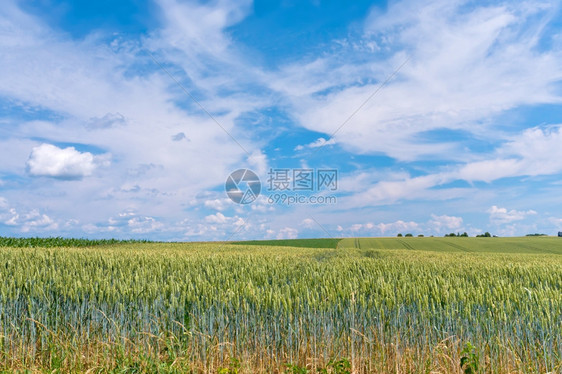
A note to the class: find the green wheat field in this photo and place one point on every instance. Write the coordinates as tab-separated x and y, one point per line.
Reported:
359	305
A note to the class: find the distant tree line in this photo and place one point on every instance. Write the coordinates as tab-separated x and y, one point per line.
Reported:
459	235
60	242
465	235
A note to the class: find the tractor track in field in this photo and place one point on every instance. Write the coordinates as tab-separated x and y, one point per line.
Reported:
539	250
406	245
459	247
357	243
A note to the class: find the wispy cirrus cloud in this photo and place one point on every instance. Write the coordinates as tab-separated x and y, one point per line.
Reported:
534	152
466	66
320	142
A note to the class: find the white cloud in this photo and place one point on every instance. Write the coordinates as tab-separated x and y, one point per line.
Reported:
48	160
466	66
144	225
125	223
398	226
218	204
320	142
198	28
26	221
391	191
216	218
438	223
535	151
35	220
261	204
501	216
287	233
361	226
221	219
258	161
239	221
12	218
382	228
308	223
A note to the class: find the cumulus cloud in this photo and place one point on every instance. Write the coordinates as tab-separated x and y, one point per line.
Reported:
221	219
287	233
500	216
382	228
26	221
216	218
126	223
35	220
47	160
356	227
438	223
144	225
398	226
308	223
218	204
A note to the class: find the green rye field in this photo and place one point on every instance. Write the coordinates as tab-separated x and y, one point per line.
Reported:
523	245
359	305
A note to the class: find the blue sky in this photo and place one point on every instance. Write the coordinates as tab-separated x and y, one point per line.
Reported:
124	118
